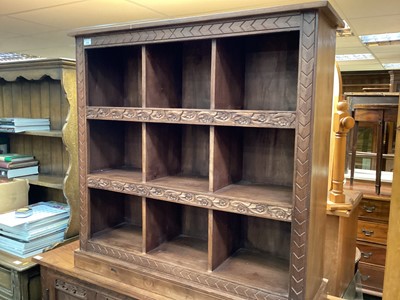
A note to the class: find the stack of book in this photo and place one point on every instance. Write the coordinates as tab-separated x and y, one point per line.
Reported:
15	165
24	124
31	230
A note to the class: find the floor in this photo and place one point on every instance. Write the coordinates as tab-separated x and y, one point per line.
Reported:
368	297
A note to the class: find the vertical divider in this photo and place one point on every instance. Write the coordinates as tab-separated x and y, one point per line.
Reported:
213	73
144	81
223	237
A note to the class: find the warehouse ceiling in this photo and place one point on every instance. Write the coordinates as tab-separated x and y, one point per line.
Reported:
41	27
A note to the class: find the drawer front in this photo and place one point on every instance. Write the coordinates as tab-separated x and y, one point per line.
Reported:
372	277
374	210
373	254
5	280
368	115
372	232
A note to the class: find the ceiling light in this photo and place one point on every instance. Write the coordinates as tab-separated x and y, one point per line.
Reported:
391	66
350	57
381	39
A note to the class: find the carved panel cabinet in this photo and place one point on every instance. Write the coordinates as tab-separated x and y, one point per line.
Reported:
203	149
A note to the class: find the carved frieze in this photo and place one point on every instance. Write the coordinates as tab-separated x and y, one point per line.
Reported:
196	199
275	119
186	32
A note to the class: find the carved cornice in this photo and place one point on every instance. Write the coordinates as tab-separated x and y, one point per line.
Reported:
174	271
260	24
270	119
212	201
71	289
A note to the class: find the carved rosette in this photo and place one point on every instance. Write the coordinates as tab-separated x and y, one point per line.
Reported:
201	200
270	119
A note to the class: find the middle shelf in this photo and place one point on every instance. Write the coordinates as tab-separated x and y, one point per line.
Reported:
201	165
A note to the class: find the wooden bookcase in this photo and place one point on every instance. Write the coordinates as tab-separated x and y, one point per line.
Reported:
203	150
44	88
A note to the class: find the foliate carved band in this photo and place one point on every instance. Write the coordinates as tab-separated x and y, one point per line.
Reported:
178	272
220	203
71	289
254	25
271	119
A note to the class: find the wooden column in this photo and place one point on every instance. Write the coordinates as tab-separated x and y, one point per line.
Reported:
342	123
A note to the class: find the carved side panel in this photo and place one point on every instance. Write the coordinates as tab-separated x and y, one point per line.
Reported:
185	32
303	157
82	142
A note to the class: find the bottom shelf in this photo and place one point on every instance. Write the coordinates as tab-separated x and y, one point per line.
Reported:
125	237
256	269
183	251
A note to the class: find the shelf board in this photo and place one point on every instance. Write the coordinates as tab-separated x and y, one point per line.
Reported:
256	269
271	194
266	201
124	174
183	251
126	237
50	181
197	184
46	133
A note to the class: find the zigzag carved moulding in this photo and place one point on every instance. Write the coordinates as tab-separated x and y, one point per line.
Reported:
174	271
274	119
195	199
262	24
303	159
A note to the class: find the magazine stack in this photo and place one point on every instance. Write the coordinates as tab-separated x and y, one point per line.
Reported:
16	165
15	125
32	229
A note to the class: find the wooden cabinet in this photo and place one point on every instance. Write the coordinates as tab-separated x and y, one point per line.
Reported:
203	152
42	89
372	240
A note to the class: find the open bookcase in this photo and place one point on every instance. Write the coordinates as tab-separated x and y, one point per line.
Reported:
203	150
45	88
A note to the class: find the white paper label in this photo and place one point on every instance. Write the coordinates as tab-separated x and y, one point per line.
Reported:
87	42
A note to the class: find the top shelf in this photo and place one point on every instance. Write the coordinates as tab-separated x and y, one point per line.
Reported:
233	73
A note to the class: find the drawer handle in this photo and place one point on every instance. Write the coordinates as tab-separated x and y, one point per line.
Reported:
366	255
365	277
369	209
367	232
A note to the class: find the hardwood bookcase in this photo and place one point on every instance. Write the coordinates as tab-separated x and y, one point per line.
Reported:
44	88
203	150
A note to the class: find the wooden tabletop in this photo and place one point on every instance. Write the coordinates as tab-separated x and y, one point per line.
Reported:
62	260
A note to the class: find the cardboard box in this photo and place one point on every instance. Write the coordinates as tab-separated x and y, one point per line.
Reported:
13	194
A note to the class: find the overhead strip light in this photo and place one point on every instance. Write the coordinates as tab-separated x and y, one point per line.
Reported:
351	57
381	39
391	66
